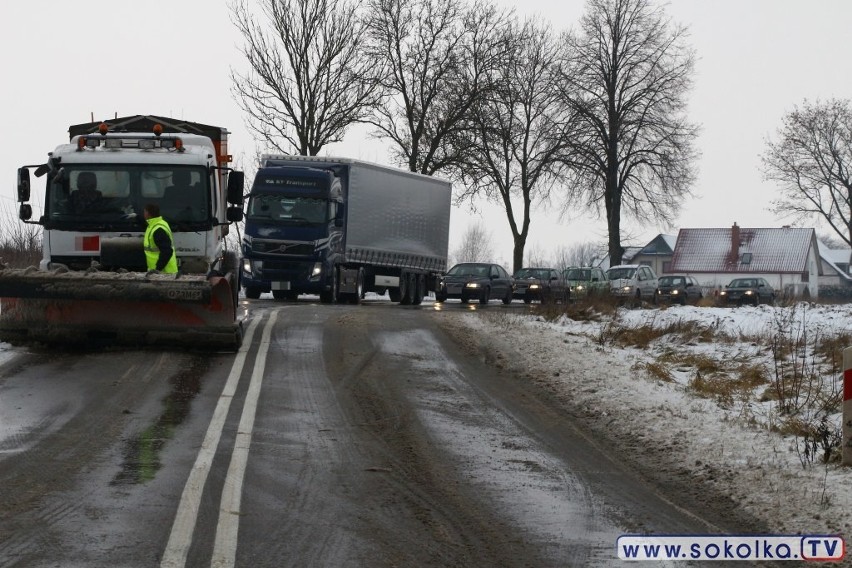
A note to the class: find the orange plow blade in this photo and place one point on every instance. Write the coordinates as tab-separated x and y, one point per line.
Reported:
128	317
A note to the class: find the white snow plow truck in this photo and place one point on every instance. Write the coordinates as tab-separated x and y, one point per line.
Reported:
93	283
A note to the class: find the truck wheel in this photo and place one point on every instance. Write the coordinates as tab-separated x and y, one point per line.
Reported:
231	268
359	288
331	296
252	293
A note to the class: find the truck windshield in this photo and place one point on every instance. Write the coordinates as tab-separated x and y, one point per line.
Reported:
287	209
93	196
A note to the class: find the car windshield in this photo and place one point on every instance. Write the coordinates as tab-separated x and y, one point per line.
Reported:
619	273
743	283
469	270
672	281
531	273
579	274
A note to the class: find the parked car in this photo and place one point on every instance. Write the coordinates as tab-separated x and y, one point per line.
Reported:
539	284
633	281
476	281
748	291
678	289
584	281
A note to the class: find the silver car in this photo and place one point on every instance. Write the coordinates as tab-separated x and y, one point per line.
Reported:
633	282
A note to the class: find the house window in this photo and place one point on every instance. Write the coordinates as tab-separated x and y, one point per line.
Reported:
746	258
667	267
806	276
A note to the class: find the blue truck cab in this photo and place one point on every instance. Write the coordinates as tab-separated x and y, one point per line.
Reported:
293	232
339	228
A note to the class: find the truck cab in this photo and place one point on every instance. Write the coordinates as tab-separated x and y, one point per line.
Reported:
293	233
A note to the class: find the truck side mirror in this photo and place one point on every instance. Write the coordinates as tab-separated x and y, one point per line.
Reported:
235	214
24	185
25	212
236	182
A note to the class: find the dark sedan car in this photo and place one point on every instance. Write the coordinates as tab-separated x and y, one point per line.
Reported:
539	284
748	291
476	281
678	289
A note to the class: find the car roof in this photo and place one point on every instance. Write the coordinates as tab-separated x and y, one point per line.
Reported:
625	266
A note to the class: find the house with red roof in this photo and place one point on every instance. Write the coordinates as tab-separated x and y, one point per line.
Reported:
787	257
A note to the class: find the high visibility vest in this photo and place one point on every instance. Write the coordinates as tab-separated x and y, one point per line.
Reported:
152	253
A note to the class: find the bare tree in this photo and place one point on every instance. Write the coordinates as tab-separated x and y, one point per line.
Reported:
309	79
536	257
625	75
519	132
475	245
20	243
437	54
812	160
579	254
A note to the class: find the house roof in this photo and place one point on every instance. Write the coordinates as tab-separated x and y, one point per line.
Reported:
772	250
661	245
835	257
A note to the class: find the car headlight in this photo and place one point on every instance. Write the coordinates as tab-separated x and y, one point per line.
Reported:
748	292
246	265
627	288
675	292
472	285
580	287
723	293
533	286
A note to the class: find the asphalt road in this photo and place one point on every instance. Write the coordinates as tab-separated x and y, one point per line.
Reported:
338	436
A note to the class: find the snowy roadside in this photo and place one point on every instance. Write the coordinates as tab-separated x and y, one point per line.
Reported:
727	446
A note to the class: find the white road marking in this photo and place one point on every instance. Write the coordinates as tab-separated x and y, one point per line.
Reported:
180	538
225	545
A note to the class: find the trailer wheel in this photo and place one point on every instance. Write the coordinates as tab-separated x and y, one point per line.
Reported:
418	287
404	285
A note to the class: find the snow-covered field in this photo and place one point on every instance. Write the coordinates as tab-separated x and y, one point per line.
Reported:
737	443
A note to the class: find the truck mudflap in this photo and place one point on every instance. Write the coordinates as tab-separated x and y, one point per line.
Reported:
122	309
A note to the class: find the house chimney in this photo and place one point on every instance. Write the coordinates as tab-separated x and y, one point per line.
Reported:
734	255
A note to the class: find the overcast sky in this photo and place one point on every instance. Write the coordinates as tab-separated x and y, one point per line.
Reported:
66	61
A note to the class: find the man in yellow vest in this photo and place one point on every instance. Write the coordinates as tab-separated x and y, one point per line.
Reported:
158	243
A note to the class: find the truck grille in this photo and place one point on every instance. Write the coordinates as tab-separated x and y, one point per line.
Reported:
282	248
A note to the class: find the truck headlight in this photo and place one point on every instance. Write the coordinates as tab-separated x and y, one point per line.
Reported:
317	270
246	265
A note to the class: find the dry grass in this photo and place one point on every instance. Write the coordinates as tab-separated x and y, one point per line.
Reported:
830	349
657	370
